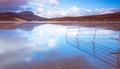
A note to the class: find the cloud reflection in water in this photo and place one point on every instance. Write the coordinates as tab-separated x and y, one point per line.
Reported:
38	49
17	44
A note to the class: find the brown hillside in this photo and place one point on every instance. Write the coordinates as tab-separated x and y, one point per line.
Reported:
104	18
24	15
10	17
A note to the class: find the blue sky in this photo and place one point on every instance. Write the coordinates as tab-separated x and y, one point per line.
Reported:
91	4
61	8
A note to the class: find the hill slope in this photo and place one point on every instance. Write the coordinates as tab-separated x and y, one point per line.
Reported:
9	16
30	16
26	15
95	18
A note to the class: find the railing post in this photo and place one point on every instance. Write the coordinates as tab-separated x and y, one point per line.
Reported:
78	37
94	51
118	53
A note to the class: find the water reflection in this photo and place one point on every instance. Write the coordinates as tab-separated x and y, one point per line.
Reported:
102	44
43	46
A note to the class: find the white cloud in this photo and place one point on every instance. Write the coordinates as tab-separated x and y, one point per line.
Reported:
39	41
43	2
39	44
72	11
87	11
103	11
40	10
53	2
52	42
40	6
49	9
107	10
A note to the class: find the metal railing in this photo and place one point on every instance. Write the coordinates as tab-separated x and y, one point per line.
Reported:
104	46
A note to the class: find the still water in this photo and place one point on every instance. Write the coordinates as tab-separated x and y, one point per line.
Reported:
51	46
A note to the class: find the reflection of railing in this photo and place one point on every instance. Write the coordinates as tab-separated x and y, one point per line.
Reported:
103	46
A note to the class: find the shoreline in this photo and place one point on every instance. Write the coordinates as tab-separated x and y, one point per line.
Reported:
104	25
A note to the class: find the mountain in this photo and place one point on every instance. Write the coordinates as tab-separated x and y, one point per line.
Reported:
30	16
9	16
93	18
25	15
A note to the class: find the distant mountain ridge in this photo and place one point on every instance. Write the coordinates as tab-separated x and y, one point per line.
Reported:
10	16
30	16
92	18
21	16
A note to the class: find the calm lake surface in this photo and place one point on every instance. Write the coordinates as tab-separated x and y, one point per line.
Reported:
53	46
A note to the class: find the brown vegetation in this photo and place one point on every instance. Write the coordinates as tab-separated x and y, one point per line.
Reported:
113	17
10	17
25	15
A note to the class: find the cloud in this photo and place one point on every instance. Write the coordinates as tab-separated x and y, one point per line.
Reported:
86	11
39	3
53	2
99	11
12	5
43	46
50	9
73	11
21	5
52	13
107	10
52	42
40	10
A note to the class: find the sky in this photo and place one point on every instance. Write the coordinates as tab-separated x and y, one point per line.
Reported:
61	8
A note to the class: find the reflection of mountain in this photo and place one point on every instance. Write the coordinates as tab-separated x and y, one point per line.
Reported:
94	18
25	26
26	15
